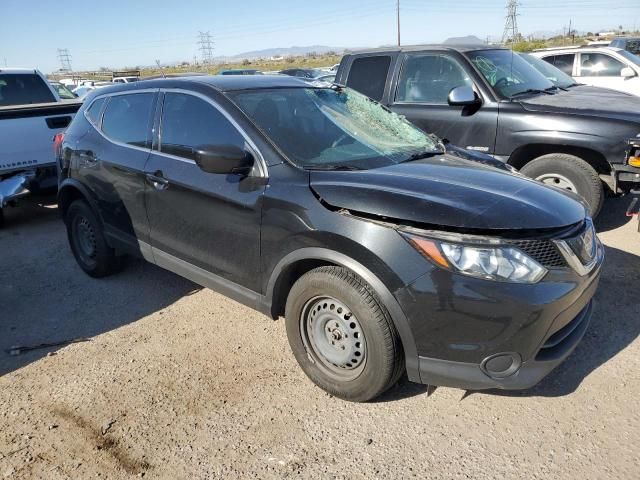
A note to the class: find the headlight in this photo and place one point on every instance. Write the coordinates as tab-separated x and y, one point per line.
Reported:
491	262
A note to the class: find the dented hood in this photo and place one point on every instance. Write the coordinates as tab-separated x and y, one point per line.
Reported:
447	191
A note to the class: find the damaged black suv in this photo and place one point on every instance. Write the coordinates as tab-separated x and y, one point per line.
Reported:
385	250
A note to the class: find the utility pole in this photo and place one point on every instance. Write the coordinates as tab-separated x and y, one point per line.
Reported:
570	34
398	19
511	23
206	47
65	60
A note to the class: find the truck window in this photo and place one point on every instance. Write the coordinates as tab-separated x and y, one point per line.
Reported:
126	119
599	65
429	79
368	75
23	88
562	62
188	122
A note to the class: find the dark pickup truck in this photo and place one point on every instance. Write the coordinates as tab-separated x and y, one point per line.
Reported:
491	100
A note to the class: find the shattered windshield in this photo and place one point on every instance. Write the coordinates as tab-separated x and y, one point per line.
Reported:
508	73
333	128
553	74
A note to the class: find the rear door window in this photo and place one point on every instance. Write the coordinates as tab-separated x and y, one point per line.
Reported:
562	62
188	122
127	119
20	89
429	79
93	112
368	75
599	65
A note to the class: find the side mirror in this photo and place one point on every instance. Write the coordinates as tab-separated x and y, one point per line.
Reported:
223	159
463	96
627	72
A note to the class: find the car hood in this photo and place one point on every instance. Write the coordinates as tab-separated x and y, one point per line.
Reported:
448	191
584	101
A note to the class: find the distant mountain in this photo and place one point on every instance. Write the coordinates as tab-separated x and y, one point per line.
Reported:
468	40
286	51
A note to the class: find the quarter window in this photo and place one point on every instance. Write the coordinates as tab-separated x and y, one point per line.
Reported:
562	62
127	119
189	122
429	79
93	112
368	75
599	65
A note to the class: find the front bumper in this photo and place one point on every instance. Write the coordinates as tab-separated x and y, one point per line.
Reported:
476	334
626	177
525	375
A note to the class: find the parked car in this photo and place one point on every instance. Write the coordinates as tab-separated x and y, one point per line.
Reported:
31	113
240	72
125	79
310	74
88	86
566	82
63	92
384	249
491	100
597	66
630	44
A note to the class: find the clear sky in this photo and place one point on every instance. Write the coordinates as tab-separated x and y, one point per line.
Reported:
118	33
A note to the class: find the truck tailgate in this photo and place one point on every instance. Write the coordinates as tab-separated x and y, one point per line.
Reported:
26	133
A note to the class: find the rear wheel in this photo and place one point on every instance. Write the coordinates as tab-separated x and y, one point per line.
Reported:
341	334
570	173
87	241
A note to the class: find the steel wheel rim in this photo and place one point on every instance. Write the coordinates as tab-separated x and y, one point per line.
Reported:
557	180
333	338
85	238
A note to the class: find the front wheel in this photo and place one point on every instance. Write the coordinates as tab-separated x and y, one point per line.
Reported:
342	336
570	173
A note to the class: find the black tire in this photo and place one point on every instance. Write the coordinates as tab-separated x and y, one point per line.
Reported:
586	181
382	357
88	243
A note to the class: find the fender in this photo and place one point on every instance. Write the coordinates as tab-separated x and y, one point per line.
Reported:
71	183
397	315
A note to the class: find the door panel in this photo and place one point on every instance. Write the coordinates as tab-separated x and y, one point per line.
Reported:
601	70
423	87
209	220
112	164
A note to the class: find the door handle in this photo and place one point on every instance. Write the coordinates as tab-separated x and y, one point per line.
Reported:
157	180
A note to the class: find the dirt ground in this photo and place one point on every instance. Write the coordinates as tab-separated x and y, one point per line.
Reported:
174	381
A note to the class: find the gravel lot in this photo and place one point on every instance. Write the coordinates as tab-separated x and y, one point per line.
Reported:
175	381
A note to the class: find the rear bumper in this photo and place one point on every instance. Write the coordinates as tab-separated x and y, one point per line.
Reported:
519	375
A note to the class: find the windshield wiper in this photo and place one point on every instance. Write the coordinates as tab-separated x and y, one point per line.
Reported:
334	168
531	90
421	155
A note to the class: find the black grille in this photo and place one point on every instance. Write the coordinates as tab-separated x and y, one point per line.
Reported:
542	251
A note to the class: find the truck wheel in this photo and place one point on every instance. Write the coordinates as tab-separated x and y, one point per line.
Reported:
342	336
87	241
569	172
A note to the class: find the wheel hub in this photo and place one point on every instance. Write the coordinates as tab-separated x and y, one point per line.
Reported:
557	180
333	337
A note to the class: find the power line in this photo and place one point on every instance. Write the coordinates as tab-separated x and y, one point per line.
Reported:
511	25
65	59
398	19
206	47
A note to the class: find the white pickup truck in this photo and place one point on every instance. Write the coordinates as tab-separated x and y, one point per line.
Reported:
31	114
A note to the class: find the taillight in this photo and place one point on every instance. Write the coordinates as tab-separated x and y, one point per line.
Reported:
57	143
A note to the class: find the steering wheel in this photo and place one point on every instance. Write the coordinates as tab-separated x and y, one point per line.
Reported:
502	82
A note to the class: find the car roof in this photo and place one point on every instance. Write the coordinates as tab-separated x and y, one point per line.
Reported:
222	83
435	46
584	48
18	70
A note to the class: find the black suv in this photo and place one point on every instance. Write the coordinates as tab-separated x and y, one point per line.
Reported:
383	248
491	100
